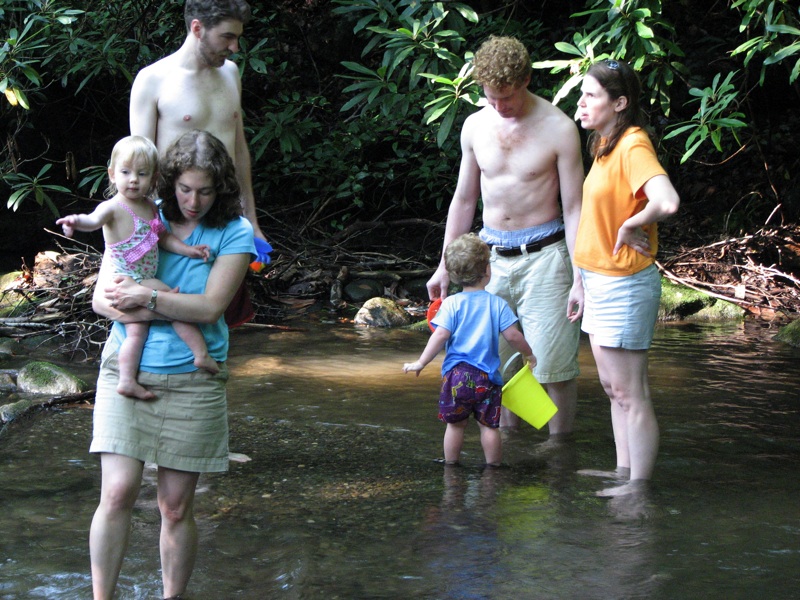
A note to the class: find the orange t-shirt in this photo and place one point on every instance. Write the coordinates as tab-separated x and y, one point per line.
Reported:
612	193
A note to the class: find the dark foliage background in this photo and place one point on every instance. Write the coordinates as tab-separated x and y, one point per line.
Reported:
373	181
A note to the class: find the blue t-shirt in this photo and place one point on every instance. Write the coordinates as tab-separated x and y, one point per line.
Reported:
475	321
164	351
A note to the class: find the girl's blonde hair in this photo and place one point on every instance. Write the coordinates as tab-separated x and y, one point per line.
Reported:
134	148
466	259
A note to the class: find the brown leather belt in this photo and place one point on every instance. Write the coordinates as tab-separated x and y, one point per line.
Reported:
532	247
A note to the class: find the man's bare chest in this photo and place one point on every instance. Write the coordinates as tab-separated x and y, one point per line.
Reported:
199	103
522	153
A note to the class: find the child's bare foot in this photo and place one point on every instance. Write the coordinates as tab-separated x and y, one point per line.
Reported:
207	363
132	389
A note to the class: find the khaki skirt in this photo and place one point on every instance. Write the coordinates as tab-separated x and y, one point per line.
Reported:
185	428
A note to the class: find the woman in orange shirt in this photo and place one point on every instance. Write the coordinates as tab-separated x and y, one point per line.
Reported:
625	193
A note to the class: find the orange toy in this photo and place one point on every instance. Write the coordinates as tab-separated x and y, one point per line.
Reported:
257	266
432	310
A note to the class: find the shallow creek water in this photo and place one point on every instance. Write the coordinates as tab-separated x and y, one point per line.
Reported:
342	498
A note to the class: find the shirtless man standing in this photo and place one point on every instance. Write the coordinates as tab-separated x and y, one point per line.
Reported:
519	154
197	87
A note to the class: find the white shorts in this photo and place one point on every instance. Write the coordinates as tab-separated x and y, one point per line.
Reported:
621	312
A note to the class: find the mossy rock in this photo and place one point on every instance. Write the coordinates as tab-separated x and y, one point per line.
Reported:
9	279
790	334
683	303
720	310
9	412
39	377
678	302
10	301
421	326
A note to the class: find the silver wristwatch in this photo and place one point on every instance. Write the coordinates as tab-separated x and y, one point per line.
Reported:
153	297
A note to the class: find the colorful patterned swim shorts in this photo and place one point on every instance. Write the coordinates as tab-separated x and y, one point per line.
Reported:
467	390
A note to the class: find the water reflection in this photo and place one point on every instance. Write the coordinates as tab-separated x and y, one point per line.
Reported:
342	498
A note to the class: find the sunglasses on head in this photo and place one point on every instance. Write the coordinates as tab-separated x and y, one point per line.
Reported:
612	64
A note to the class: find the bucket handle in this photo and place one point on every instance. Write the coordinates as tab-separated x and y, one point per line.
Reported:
508	363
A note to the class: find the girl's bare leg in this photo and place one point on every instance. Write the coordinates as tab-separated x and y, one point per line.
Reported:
193	337
130	353
189	332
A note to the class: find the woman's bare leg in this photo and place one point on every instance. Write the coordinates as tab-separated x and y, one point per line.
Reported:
623	374
176	491
110	530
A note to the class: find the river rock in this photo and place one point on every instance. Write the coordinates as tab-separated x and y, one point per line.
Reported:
361	290
7	383
9	412
5	356
381	312
39	377
417	288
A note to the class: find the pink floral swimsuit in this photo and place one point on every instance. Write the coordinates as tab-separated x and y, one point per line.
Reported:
137	257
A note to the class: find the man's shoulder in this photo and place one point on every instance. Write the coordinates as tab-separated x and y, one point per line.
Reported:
158	70
559	129
479	119
547	110
230	67
165	62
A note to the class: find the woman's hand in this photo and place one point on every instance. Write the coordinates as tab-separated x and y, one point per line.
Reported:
124	293
575	301
635	237
102	300
662	202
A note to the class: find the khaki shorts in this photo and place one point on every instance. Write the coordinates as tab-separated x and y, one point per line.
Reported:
185	428
536	287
